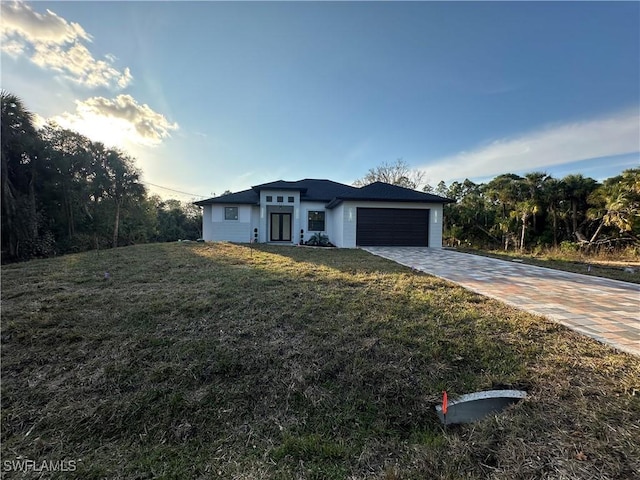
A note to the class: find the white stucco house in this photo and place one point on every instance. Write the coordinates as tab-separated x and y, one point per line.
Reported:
291	212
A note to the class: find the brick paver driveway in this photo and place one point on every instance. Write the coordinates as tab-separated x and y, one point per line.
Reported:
607	310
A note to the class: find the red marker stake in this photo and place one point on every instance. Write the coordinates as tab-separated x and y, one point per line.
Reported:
445	402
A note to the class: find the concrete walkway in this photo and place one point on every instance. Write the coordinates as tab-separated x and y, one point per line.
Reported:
607	310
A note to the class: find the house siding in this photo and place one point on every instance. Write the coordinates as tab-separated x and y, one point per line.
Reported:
305	208
335	218
218	229
255	221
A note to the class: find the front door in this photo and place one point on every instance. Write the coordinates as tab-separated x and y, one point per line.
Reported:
280	227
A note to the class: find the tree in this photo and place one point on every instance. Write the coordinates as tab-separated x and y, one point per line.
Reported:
70	161
576	190
472	217
441	189
121	184
505	192
398	173
62	192
552	198
19	145
523	211
534	183
616	203
139	224
177	220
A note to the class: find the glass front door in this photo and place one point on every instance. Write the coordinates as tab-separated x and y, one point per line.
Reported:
280	227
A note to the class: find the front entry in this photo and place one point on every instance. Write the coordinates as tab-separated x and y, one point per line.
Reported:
280	227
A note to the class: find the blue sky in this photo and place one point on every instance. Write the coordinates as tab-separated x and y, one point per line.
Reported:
210	96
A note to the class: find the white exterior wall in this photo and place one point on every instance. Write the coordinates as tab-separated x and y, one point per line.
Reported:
217	229
255	220
305	207
435	225
335	218
349	219
207	224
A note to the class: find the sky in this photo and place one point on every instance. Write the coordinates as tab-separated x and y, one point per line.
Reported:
216	96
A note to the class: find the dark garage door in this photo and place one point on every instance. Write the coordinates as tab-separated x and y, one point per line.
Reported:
392	227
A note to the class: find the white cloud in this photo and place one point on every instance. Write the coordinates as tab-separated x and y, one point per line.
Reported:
13	48
38	27
617	134
116	121
51	42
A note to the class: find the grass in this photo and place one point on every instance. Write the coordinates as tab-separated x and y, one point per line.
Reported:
224	361
605	265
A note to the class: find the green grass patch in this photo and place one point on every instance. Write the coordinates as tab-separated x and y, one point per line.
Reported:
230	361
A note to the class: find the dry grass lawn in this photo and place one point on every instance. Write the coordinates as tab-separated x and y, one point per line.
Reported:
225	361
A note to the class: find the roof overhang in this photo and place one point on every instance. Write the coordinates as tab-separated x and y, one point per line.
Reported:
338	200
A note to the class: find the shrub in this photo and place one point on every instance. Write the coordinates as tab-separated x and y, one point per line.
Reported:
569	247
319	240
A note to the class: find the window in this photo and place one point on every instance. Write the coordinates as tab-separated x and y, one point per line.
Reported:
280	199
290	199
230	213
269	198
316	221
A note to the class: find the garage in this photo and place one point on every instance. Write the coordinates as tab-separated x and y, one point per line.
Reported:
400	227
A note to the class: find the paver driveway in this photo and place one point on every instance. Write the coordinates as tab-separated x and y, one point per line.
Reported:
607	310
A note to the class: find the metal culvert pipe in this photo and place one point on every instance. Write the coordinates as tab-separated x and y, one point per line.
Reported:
475	406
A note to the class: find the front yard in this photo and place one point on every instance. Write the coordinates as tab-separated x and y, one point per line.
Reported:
237	362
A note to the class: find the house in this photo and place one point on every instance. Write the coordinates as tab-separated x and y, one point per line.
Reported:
291	212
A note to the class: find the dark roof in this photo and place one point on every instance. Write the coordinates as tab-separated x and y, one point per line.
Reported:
324	190
385	192
244	197
310	189
279	185
331	192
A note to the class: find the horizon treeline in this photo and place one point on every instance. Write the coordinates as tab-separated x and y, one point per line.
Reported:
63	193
538	211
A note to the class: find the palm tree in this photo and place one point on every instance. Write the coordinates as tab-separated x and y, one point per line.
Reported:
18	144
505	191
552	196
576	189
535	182
524	211
617	203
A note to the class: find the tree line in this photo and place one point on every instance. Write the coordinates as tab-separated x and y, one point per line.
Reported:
531	211
537	210
62	192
